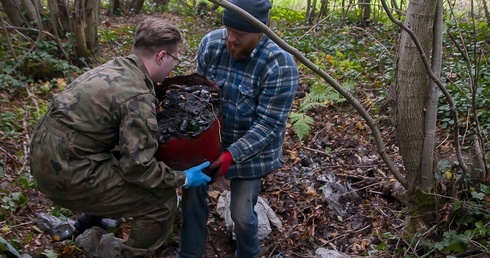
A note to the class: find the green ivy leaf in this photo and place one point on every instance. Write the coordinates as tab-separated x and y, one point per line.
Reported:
485	188
50	253
477	195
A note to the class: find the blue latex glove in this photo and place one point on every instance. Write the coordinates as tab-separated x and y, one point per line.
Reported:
195	176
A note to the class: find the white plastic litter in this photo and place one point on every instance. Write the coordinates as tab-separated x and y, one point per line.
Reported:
324	253
264	212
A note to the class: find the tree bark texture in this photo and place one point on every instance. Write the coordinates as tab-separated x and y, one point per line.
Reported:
487	12
412	87
311	15
92	20
365	7
79	24
13	12
14	9
323	9
60	16
29	8
428	156
136	6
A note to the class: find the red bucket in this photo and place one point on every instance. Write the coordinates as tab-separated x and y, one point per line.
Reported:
183	152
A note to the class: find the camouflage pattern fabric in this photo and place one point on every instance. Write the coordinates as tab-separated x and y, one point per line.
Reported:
72	148
153	216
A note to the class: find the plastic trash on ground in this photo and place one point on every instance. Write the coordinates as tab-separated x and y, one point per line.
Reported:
339	196
325	253
265	215
57	228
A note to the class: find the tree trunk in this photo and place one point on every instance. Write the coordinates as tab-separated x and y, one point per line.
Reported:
60	16
365	7
412	87
311	14
323	9
308	6
12	10
29	8
428	157
92	19
79	24
487	12
115	9
163	3
136	6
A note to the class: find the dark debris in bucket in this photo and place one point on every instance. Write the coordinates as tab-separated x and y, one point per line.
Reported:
187	109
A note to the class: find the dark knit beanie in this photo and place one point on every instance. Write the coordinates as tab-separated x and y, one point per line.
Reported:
257	8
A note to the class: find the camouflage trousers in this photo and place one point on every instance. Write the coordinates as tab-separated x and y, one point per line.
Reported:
152	216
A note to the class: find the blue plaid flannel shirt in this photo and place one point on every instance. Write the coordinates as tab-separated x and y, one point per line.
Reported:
257	94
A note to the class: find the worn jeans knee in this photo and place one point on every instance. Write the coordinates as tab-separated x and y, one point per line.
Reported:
244	195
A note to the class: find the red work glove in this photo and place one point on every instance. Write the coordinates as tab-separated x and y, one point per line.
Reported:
223	163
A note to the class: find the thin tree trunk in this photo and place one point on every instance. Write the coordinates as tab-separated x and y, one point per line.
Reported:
62	16
116	8
365	7
13	11
323	9
136	6
79	29
53	9
29	8
428	157
412	87
308	6
311	14
92	19
344	11
487	12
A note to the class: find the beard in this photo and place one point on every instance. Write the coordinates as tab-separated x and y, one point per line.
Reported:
240	52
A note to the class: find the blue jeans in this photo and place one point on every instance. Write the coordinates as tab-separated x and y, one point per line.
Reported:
193	234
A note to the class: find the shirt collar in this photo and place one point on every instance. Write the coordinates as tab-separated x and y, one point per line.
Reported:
138	62
259	46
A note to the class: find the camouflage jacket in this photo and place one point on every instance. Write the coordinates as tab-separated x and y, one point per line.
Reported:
110	106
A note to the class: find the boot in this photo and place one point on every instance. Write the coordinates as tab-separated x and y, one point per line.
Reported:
85	222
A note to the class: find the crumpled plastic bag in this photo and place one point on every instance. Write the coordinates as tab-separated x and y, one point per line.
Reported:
337	195
265	215
325	253
58	229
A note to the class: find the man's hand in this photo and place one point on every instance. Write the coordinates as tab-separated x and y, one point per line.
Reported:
195	176
223	163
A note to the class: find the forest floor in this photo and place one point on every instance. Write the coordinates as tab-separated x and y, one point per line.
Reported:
334	191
